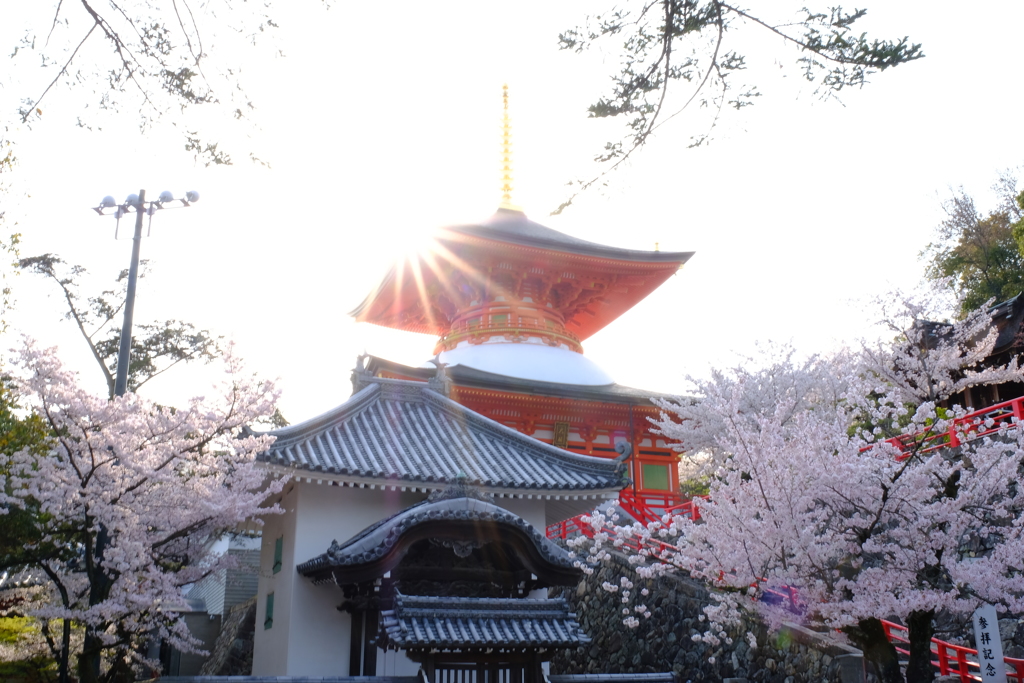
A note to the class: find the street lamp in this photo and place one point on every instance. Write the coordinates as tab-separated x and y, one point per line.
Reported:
137	204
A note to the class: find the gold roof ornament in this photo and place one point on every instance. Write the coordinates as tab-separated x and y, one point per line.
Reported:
506	155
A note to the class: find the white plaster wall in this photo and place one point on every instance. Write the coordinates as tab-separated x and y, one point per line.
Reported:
270	646
310	637
318	637
392	663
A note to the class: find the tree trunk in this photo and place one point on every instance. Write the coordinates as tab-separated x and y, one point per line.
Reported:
921	627
869	635
89	660
99	588
65	637
65	651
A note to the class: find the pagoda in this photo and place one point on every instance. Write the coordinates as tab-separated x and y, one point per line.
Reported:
511	303
445	477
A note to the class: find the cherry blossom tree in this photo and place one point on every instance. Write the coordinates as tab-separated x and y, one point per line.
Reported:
810	502
127	502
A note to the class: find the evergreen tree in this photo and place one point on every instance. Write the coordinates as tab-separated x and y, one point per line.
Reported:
981	255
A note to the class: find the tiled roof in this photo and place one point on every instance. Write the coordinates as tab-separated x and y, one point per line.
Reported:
406	297
463	375
666	677
21	577
401	432
285	679
513	226
470	623
374	544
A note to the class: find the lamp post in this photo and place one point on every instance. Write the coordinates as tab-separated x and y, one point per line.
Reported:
135	203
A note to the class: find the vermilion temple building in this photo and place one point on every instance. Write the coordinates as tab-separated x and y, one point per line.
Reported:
511	302
413	540
413	533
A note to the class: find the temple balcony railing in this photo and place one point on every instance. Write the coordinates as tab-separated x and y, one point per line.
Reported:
983	422
947	658
478	333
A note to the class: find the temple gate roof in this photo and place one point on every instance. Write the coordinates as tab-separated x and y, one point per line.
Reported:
417	622
463	523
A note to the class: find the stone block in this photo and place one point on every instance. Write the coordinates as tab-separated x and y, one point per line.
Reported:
851	668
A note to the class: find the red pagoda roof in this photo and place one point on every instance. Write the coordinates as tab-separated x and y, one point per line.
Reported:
588	284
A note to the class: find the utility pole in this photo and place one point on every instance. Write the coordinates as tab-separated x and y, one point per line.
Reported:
125	349
138	204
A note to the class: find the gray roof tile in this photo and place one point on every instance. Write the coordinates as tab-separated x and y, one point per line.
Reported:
465	623
378	539
403	432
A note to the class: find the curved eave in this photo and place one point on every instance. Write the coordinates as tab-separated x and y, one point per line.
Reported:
540	237
398	300
322	568
301	431
466	377
479	446
424	485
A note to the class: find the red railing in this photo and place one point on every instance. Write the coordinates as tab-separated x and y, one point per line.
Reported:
648	506
570	527
952	659
971	426
651	506
645	507
949	659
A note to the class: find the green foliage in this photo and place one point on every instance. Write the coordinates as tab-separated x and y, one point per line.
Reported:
36	669
980	255
20	537
1017	228
662	43
156	347
21	641
697	486
13	629
19	431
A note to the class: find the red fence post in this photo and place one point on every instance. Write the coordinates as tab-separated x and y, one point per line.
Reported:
961	664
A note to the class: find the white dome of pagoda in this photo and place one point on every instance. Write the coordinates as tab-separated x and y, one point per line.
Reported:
535	362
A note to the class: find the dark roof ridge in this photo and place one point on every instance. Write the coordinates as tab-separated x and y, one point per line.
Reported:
467	375
439	440
520	604
352	404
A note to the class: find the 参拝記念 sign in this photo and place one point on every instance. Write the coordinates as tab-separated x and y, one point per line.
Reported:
990	648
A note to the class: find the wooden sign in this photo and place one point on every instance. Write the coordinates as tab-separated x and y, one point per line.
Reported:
561	437
990	648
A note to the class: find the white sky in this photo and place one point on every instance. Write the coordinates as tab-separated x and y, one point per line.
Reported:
383	123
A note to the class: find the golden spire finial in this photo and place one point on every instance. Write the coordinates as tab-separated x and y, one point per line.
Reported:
506	154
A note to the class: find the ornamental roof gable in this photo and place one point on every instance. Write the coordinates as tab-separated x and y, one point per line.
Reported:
462	523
